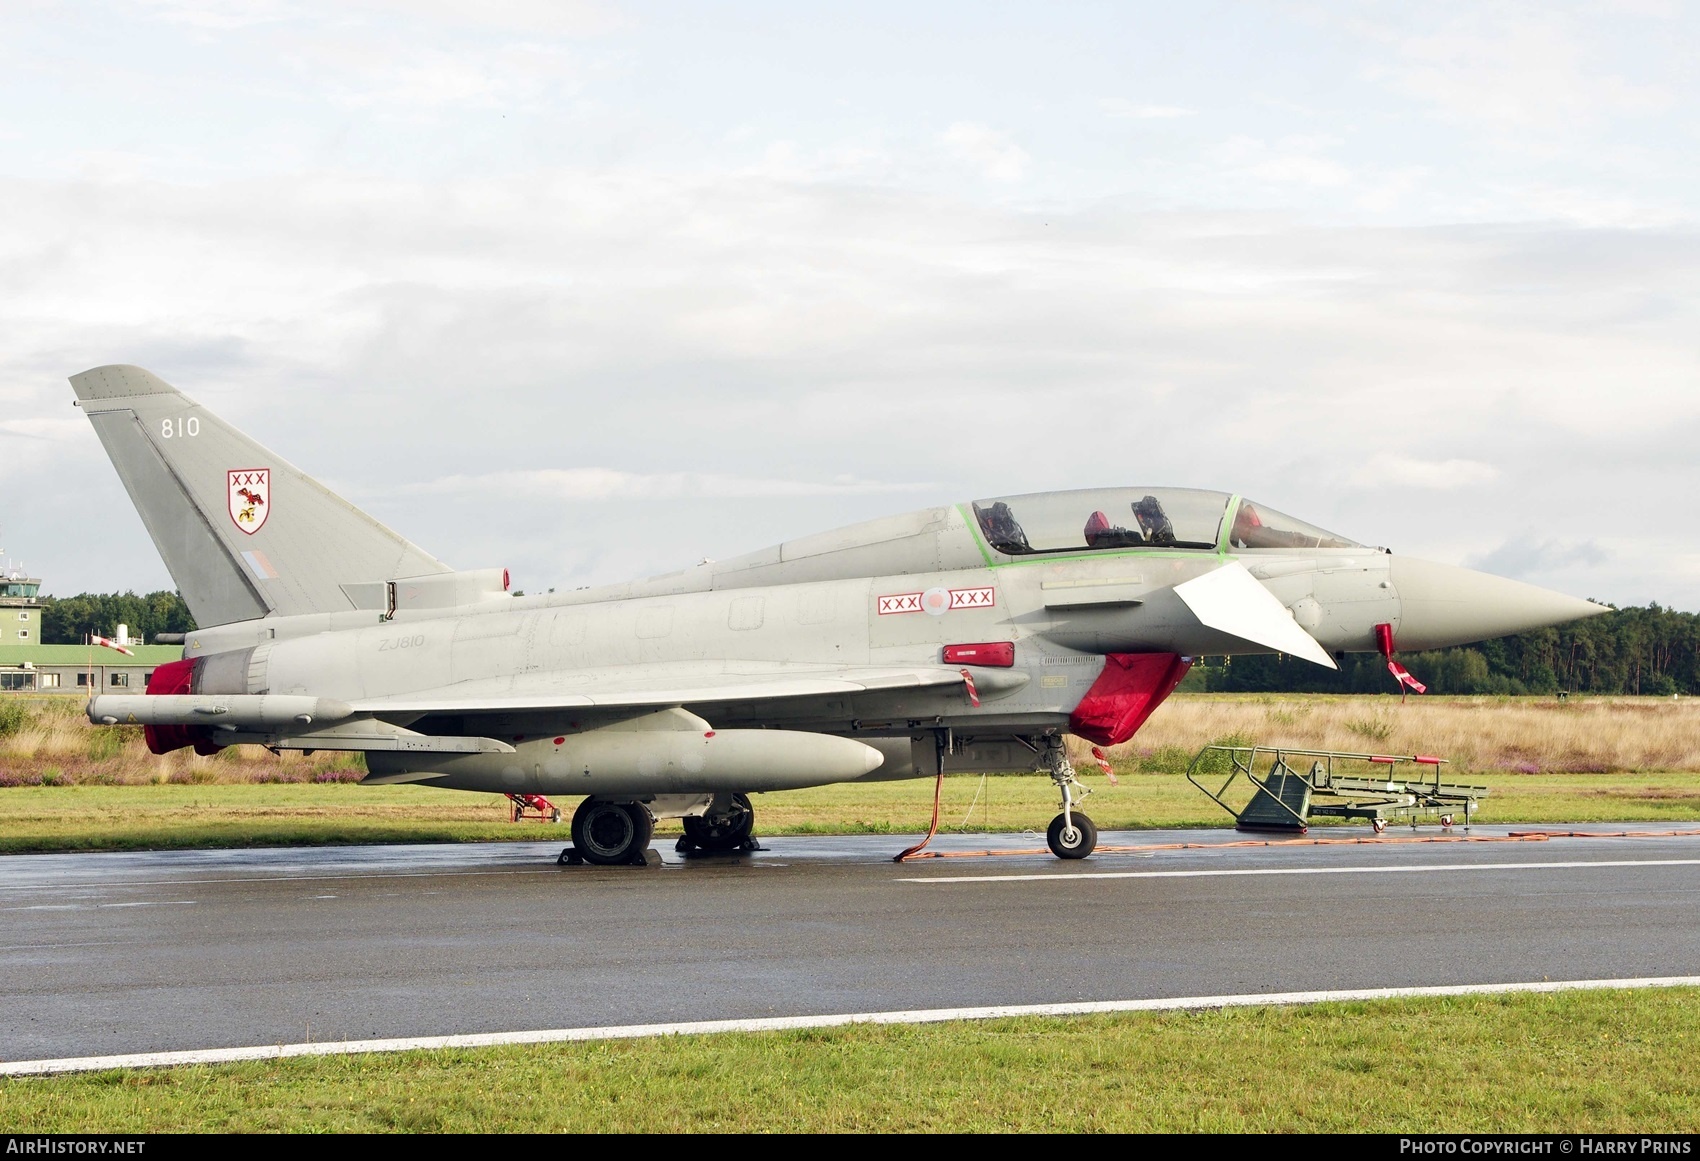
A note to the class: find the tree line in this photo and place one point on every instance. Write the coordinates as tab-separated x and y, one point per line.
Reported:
69	620
1651	650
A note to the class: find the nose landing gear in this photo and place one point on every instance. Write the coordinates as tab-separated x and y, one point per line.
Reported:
1071	834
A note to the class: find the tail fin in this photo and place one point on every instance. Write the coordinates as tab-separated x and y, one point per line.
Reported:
243	533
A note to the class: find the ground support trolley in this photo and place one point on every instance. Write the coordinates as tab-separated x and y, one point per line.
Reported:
1378	788
533	808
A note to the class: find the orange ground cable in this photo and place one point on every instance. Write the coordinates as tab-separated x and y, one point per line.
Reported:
938	789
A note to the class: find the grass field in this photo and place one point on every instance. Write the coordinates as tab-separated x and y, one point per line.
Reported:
1521	735
65	785
1598	1061
49	818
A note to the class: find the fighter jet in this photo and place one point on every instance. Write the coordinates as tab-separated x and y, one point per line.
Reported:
965	638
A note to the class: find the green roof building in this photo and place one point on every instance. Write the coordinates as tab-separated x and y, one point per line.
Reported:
28	666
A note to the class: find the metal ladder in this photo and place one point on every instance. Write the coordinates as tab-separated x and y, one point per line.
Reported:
1378	788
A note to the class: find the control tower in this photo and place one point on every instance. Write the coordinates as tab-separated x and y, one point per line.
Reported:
20	607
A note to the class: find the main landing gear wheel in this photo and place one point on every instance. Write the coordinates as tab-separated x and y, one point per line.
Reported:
1074	841
612	833
722	832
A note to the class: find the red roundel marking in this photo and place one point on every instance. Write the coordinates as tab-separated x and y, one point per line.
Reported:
710	734
559	740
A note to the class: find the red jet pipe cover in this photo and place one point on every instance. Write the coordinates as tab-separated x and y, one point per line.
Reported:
174	677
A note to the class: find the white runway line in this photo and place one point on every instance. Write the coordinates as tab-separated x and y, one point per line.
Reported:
1411	868
787	1023
352	873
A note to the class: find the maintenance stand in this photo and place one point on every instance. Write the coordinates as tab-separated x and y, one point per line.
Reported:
1379	788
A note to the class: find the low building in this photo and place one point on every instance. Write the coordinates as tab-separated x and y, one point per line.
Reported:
69	668
28	666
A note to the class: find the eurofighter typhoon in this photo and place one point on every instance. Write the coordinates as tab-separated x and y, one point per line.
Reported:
966	638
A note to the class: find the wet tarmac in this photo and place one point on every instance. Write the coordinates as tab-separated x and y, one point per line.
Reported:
153	951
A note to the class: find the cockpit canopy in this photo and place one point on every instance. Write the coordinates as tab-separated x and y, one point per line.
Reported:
1107	518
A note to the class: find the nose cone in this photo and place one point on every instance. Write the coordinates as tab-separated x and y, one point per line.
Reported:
1443	605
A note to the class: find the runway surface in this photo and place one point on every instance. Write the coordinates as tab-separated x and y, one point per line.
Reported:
160	951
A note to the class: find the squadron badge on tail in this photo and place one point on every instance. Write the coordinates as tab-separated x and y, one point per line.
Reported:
249	491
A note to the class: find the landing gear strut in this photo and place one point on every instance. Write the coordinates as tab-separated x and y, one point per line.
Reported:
611	833
1071	834
726	826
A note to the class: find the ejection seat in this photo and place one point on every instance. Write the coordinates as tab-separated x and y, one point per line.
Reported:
1001	529
1100	533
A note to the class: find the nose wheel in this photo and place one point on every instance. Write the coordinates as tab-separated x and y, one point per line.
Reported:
1073	837
1071	834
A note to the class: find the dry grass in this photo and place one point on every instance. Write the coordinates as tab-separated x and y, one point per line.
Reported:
51	743
1525	735
55	745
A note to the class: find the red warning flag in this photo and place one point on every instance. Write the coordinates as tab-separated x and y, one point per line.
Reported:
1384	638
1104	765
968	684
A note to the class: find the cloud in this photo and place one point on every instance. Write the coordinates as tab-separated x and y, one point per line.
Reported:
477	358
362	69
991	152
1292	159
1507	67
1122	108
1523	556
555	17
52	430
608	484
1401	471
223	15
37	454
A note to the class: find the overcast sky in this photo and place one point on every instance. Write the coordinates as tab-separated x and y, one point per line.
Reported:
594	291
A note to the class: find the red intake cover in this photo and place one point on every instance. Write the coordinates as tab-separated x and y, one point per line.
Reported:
1129	688
172	678
997	654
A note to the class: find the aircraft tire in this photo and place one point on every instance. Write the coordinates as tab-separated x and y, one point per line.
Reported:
611	833
726	832
1085	838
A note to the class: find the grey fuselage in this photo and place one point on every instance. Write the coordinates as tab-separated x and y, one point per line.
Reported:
966	637
840	599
